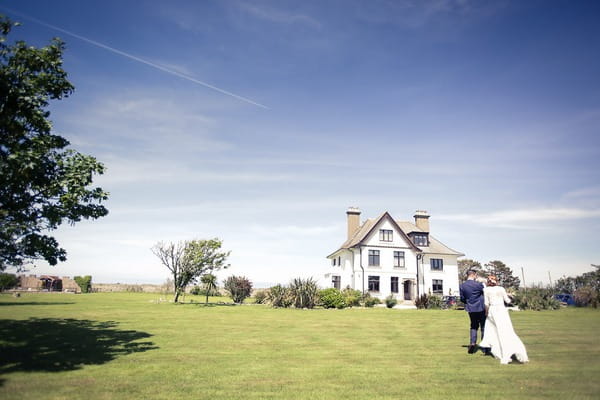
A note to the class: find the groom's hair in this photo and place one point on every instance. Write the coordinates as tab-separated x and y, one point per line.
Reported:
471	272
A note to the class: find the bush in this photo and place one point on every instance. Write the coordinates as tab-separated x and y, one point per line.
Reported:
352	297
8	281
331	298
429	302
238	287
200	291
369	301
586	296
435	302
304	292
535	298
390	301
261	296
84	282
279	296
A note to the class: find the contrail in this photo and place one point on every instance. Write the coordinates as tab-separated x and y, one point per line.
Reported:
132	57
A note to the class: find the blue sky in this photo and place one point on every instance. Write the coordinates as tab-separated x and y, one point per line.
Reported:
484	113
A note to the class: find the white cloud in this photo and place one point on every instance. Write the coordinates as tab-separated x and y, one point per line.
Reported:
523	218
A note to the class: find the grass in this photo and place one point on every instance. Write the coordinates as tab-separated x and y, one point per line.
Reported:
127	345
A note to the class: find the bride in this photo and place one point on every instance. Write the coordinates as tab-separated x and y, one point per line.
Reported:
499	334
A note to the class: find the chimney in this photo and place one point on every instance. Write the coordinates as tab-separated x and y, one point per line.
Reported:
353	214
422	220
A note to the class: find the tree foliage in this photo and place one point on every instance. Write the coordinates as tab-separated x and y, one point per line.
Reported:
84	282
503	273
8	281
464	266
209	281
43	183
188	260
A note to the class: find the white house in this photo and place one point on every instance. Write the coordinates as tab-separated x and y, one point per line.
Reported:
384	256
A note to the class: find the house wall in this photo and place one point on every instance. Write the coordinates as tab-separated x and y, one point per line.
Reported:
351	273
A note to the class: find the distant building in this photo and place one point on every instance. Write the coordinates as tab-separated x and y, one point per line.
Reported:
385	257
48	283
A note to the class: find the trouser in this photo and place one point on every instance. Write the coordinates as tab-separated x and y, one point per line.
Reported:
477	322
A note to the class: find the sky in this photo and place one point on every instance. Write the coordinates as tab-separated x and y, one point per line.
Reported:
261	122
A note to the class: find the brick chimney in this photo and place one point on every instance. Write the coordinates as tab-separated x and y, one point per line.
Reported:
422	220
353	214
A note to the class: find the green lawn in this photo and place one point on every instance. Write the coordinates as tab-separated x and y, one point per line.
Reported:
128	345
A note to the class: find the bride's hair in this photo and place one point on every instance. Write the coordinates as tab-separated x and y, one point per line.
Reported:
492	280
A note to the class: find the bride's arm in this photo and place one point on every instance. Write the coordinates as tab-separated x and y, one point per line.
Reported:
505	296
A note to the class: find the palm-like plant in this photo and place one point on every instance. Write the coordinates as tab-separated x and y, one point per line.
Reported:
304	292
210	284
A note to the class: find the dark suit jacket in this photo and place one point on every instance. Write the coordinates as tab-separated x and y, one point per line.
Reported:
471	293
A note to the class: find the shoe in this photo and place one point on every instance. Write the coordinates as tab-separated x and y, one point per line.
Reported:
472	349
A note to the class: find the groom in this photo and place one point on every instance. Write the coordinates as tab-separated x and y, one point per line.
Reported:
471	293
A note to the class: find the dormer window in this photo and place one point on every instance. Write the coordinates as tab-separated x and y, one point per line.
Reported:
420	239
386	235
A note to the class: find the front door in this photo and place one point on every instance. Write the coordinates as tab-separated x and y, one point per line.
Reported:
407	290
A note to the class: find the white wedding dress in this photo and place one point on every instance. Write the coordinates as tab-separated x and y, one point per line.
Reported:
499	334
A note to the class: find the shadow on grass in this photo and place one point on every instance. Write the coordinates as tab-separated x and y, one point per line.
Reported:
36	303
54	345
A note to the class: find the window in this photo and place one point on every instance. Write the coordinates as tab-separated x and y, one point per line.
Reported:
333	262
339	260
374	257
420	239
398	259
437	264
394	284
336	281
386	235
437	286
373	283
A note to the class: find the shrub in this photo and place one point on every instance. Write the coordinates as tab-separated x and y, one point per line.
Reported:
390	301
238	287
84	282
422	301
331	298
435	303
8	281
200	291
429	302
352	297
535	298
304	292
261	296
279	296
370	301
586	296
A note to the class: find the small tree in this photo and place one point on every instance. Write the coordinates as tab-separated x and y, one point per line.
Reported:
189	260
84	282
210	284
239	288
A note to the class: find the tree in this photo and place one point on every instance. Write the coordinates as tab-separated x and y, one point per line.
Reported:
190	259
239	287
503	273
43	183
84	282
210	284
8	281
464	266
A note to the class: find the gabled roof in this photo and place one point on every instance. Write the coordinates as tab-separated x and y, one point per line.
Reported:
404	228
